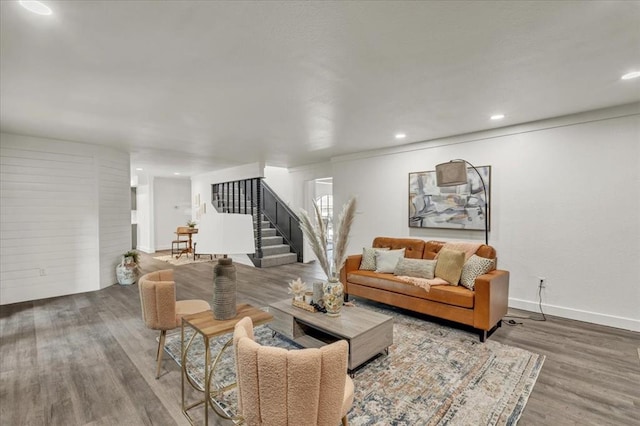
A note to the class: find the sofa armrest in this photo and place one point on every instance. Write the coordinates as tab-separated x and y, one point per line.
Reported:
352	264
491	299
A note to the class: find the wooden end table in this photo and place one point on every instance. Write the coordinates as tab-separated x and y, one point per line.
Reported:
189	248
207	326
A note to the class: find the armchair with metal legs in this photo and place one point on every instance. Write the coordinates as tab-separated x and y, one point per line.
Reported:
160	311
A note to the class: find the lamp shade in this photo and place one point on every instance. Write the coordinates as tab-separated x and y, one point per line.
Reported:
453	173
221	233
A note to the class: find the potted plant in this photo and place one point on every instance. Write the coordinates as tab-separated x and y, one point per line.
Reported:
191	223
131	258
127	270
316	234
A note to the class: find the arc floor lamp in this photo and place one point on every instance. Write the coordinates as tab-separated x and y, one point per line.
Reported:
454	173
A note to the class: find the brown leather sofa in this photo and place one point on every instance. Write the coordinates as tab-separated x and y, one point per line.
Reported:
481	308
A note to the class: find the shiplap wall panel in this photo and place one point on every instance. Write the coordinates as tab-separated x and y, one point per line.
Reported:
115	214
64	216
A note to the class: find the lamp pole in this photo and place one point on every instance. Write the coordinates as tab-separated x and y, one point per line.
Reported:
455	182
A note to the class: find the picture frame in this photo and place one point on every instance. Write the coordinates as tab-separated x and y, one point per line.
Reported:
454	207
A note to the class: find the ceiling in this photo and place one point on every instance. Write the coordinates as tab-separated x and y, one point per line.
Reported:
194	86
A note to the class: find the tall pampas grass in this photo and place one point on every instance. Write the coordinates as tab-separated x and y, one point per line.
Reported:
316	234
317	238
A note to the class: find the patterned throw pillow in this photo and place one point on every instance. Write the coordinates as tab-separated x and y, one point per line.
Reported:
386	261
368	262
449	266
473	268
419	268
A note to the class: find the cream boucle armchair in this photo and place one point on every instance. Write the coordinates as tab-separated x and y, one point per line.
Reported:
282	387
160	311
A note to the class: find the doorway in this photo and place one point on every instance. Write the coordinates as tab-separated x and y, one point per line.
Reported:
321	191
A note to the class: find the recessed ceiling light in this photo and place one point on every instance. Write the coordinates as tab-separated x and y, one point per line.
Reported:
497	116
630	75
176	173
35	7
139	169
400	135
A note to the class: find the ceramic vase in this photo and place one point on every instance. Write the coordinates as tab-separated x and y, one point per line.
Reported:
127	271
224	290
333	297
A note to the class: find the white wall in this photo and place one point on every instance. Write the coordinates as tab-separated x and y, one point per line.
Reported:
565	206
65	217
278	179
172	207
144	215
303	185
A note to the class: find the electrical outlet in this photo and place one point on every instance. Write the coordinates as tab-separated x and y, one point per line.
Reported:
43	272
542	282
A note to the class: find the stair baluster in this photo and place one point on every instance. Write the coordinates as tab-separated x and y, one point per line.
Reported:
255	197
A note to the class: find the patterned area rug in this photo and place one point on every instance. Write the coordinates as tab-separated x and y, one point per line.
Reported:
433	375
184	260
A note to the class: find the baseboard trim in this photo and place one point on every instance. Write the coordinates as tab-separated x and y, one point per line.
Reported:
577	314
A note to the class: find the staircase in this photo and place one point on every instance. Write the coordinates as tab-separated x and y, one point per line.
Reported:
277	233
274	249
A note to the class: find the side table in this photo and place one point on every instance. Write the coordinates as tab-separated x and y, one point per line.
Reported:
207	326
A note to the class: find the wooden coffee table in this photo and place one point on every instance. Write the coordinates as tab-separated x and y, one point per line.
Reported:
367	332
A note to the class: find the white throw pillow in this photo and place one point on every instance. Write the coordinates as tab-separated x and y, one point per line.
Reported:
368	262
386	261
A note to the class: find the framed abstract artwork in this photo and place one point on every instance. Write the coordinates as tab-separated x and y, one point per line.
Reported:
454	207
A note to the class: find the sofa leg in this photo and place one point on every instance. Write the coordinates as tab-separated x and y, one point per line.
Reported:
484	333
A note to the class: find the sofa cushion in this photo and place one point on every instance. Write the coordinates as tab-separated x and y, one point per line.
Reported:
449	266
420	268
450	295
413	246
386	261
473	268
469	248
368	262
431	249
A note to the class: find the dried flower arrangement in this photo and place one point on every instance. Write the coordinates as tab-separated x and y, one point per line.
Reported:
297	288
316	235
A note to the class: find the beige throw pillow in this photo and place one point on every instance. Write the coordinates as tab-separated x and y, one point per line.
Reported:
419	268
449	266
368	262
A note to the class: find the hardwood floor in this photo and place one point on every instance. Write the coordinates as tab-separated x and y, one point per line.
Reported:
88	358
